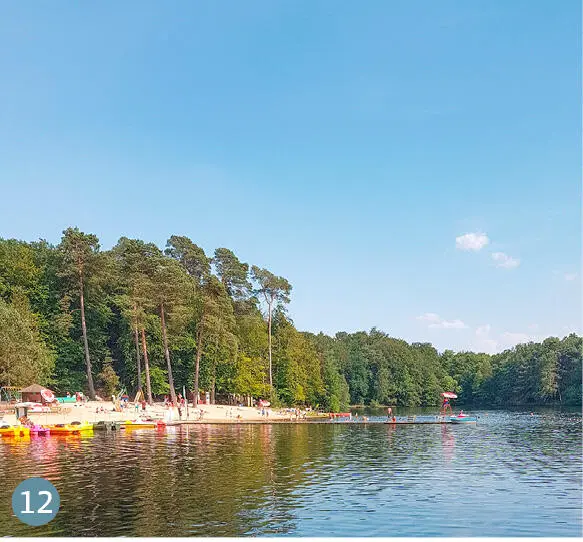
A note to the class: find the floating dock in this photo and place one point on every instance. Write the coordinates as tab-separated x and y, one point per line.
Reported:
361	420
421	420
418	420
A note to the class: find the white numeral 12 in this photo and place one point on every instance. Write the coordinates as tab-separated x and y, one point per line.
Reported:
41	510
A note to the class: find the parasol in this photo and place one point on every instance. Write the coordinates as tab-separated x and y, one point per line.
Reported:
449	395
47	395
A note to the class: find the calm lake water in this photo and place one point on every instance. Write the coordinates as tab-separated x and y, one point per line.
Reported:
510	475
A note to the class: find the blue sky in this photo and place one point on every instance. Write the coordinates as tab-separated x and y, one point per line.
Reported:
345	146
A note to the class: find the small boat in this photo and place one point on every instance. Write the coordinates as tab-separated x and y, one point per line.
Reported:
463	418
14	431
143	424
71	428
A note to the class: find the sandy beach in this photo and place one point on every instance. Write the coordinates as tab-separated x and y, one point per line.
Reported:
95	411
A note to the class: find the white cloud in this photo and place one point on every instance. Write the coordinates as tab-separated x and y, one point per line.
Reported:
508	340
429	317
489	346
491	343
436	322
483	342
483	331
503	260
471	241
570	276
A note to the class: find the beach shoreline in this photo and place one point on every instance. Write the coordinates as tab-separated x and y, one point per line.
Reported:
98	411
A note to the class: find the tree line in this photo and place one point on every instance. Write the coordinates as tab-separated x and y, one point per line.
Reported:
381	370
76	317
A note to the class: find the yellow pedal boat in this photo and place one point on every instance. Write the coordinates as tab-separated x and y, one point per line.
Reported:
14	431
70	428
142	424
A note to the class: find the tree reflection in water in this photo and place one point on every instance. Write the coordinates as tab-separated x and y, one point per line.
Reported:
235	480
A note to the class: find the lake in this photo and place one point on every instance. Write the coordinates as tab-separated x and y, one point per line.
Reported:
512	474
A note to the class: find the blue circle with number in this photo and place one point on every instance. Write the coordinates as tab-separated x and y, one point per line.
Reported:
35	501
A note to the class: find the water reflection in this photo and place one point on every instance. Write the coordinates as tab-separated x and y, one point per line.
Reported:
448	442
512	475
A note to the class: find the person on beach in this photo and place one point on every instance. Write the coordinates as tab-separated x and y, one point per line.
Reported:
389	412
143	405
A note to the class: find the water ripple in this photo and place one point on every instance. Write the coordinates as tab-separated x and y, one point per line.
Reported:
511	475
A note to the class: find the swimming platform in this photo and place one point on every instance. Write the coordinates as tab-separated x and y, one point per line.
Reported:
359	420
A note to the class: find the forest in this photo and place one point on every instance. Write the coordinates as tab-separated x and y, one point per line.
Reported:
138	317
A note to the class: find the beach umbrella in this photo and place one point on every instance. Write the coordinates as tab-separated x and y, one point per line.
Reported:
449	395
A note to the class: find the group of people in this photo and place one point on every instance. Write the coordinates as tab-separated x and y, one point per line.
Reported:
141	404
297	413
79	397
445	406
180	404
231	414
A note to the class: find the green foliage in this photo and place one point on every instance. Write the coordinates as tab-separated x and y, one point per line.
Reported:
272	288
108	379
213	321
536	373
18	269
81	267
190	256
298	372
24	358
232	273
159	378
248	378
275	291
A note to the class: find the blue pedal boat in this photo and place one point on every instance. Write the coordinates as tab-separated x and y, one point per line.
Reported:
463	418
